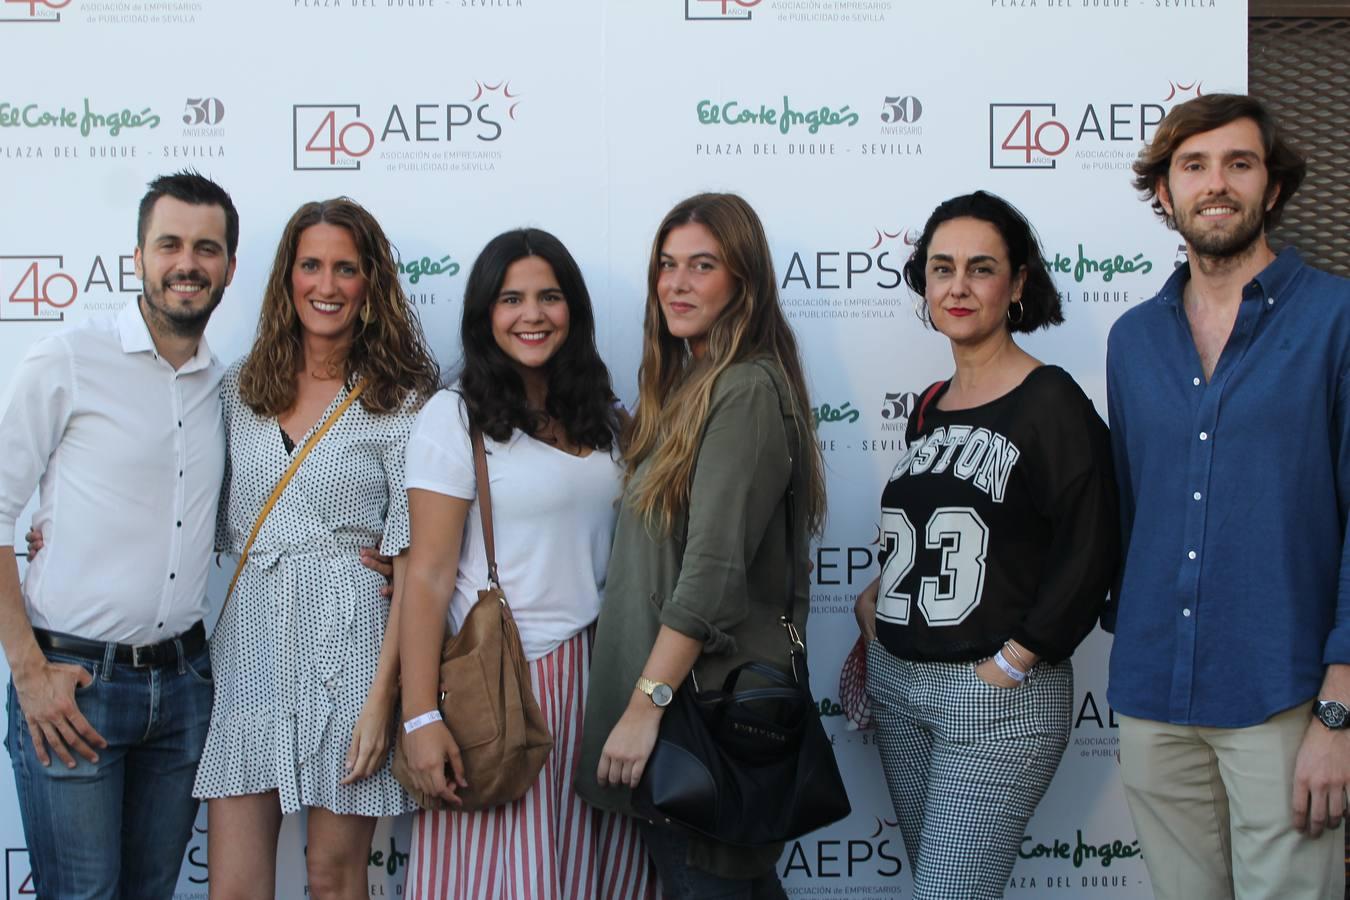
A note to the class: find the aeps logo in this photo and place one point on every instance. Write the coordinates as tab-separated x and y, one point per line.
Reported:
18	874
836	566
719	10
40	287
825	270
329	136
32	10
1035	135
877	855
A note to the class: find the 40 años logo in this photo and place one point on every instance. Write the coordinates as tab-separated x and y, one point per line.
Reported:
37	286
720	10
32	10
328	136
1035	135
40	287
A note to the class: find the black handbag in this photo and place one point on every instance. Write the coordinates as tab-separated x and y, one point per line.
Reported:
749	764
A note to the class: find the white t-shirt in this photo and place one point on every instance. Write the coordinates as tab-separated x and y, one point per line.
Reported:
553	515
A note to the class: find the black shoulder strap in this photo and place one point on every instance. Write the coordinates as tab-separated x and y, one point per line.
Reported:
789	522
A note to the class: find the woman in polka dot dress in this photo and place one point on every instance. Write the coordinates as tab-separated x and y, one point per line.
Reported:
305	680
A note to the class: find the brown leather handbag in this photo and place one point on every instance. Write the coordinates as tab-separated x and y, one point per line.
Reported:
486	700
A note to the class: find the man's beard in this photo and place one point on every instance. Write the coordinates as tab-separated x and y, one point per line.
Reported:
181	322
1222	245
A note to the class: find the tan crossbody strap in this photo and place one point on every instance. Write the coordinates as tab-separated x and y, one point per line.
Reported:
480	472
286	479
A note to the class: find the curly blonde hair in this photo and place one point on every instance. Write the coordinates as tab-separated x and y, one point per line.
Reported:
389	350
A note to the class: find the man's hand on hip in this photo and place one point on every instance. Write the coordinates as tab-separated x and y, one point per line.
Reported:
47	697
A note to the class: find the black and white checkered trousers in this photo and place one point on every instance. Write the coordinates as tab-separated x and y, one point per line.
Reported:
966	763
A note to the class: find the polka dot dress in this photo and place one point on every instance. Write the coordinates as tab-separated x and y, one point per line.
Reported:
295	652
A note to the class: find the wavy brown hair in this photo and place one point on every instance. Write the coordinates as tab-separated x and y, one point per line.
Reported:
675	391
389	350
1285	167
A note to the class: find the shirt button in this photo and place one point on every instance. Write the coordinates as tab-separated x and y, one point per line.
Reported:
1196	496
171	574
1195	381
1204	436
1186	613
160	625
1190	555
180	524
1270	301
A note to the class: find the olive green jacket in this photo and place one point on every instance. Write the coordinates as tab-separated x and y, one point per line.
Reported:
719	577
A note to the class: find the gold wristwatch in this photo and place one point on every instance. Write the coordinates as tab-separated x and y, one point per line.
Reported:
659	692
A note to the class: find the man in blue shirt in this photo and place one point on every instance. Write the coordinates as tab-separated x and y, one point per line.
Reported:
1230	418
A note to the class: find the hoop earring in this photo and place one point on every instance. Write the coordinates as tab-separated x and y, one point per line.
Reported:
367	314
1021	313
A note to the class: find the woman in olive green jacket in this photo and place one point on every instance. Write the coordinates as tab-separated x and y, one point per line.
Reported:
696	578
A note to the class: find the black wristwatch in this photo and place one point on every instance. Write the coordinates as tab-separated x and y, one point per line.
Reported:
1332	714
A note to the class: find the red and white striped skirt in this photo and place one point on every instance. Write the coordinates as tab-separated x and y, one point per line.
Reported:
549	844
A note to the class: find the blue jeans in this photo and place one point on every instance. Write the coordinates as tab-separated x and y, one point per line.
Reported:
116	829
669	850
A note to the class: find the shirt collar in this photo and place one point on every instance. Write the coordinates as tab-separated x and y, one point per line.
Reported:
135	336
1274	279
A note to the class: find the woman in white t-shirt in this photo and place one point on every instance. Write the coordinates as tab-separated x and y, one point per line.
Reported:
534	383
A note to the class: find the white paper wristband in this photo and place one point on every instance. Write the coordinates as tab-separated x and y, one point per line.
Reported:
418	721
1008	668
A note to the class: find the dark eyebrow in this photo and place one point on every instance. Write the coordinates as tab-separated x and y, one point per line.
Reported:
1227	156
947	258
702	254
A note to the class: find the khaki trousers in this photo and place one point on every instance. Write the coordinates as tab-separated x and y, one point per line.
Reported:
1213	811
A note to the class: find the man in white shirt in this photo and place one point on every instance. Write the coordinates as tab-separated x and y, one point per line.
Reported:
117	423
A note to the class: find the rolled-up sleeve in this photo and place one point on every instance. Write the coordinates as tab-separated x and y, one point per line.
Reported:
741	474
39	406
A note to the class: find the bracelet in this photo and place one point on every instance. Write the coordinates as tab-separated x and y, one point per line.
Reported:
425	718
1008	668
1016	654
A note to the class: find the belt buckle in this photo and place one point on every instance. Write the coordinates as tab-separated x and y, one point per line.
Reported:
136	652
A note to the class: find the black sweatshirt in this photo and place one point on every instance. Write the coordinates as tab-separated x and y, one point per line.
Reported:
999	522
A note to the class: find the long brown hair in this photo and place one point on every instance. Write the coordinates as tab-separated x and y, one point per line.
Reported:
389	350
674	392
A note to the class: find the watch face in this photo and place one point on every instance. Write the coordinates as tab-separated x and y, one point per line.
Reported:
1332	714
662	695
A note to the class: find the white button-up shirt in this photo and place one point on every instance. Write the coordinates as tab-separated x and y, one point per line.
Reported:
128	454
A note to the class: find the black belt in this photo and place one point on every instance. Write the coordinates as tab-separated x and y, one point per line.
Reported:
143	656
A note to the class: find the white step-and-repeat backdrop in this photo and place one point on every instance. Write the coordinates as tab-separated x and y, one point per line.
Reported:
843	121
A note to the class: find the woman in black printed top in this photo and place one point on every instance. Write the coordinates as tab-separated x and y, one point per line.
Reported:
999	541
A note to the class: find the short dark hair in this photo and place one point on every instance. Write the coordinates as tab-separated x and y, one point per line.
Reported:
1285	166
190	187
579	393
1041	306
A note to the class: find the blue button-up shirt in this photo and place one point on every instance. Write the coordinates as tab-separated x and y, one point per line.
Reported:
1235	591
